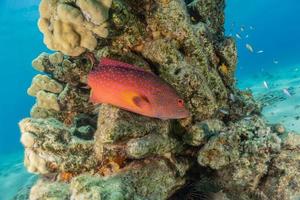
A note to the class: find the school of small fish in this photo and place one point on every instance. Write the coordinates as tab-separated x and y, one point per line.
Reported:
242	35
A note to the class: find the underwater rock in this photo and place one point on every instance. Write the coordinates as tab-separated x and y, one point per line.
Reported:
199	133
123	125
50	147
75	100
73	27
242	105
283	178
235	145
228	53
209	12
49	191
152	144
135	182
249	157
186	61
134	135
86	151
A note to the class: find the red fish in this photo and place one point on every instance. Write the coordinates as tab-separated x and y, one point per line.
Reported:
134	89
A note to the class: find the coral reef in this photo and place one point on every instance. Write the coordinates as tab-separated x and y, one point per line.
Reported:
86	151
72	27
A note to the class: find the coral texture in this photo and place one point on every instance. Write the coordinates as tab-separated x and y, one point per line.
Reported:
72	27
86	151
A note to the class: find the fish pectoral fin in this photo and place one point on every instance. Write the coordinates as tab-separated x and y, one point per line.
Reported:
141	101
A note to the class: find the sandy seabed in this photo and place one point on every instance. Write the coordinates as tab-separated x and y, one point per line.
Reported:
278	106
14	178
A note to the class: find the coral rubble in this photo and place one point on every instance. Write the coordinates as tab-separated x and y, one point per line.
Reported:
86	151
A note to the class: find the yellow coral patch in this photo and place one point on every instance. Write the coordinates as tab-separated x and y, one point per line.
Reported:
224	69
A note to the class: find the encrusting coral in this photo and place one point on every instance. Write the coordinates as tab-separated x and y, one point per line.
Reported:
86	151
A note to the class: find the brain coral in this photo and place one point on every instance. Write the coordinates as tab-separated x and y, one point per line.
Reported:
73	27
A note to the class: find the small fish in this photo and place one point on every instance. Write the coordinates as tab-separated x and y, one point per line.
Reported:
225	112
247	118
275	62
232	97
247	36
260	51
250	48
242	28
238	36
134	89
285	91
266	85
251	27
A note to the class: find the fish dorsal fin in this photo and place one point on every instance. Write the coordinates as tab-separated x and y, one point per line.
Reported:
107	62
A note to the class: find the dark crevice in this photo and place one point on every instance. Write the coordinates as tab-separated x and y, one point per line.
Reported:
177	71
187	2
198	186
264	178
73	4
139	9
153	66
182	50
194	14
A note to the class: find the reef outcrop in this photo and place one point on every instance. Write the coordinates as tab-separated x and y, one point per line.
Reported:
224	150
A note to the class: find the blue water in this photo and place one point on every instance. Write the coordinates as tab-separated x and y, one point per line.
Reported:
276	32
20	42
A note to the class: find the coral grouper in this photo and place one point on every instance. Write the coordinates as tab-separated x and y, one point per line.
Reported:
134	89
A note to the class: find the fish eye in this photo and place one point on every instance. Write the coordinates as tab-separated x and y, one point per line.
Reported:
180	102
